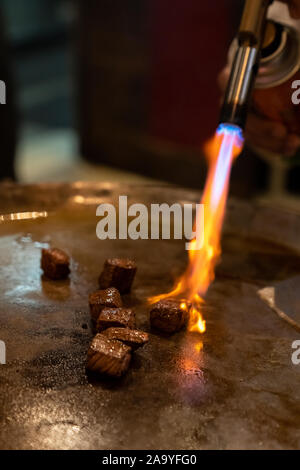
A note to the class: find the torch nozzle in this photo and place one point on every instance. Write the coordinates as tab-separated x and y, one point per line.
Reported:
243	72
245	65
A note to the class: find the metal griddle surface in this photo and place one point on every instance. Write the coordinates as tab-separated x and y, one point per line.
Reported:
234	387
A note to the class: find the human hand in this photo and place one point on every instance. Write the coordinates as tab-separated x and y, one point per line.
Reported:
294	7
264	133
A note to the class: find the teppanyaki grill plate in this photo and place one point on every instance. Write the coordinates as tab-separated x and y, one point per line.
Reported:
233	387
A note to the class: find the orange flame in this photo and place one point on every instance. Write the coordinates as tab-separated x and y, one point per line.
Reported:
221	151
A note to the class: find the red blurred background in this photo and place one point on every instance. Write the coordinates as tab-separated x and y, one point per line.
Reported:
189	42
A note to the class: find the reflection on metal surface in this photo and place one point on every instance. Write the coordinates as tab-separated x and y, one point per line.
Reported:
87	201
96	186
199	346
191	382
23	216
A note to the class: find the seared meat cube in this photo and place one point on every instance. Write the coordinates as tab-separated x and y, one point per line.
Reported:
133	338
169	315
115	317
118	273
55	263
108	356
104	298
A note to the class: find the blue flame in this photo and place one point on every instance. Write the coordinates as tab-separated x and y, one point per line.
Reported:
233	135
230	129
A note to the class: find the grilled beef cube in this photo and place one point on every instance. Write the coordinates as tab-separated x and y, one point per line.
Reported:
133	338
168	315
118	273
55	263
115	317
104	298
108	356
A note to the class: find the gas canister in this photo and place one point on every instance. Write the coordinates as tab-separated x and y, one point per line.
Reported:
276	82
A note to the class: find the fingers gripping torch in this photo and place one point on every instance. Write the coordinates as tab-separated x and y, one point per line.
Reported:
245	65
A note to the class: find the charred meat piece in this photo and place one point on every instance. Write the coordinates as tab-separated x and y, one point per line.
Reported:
108	356
104	298
133	338
115	317
169	315
55	263
118	273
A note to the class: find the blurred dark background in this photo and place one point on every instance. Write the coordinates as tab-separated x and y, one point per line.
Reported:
118	90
